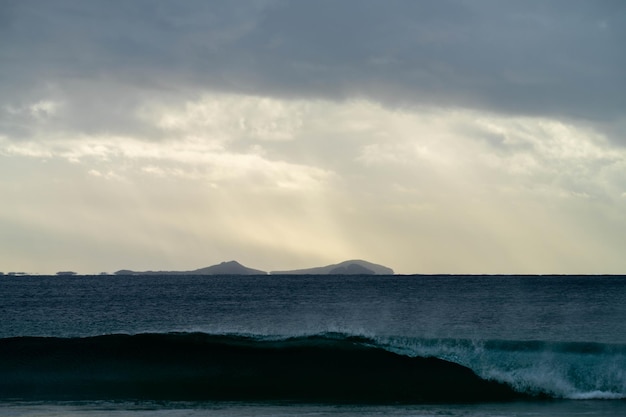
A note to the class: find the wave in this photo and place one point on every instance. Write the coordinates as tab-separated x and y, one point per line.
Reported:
564	370
329	367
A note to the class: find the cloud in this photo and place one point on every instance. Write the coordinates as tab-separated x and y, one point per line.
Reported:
443	136
557	58
347	179
226	116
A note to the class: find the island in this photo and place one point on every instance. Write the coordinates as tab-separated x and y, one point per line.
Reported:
224	268
351	267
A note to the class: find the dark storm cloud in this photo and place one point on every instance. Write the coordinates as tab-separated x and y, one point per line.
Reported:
560	58
529	57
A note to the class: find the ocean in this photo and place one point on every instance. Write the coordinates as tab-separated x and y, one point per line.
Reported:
419	345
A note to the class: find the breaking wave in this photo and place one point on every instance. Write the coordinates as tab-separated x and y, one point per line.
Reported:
329	367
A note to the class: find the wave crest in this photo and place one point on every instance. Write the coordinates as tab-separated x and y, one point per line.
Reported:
328	367
195	366
567	370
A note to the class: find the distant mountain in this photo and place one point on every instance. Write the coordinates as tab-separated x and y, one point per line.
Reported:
224	268
228	268
351	267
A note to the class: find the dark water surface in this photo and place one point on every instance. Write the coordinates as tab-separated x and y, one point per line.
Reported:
156	344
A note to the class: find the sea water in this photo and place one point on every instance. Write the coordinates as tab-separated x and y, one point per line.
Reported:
313	345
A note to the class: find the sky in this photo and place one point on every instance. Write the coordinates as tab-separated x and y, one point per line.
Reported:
439	136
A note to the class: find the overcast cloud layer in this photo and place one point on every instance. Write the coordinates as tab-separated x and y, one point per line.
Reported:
430	136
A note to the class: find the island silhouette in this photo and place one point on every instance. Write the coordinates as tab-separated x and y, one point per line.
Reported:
350	267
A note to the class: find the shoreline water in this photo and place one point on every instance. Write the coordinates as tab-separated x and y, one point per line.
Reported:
562	338
561	408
